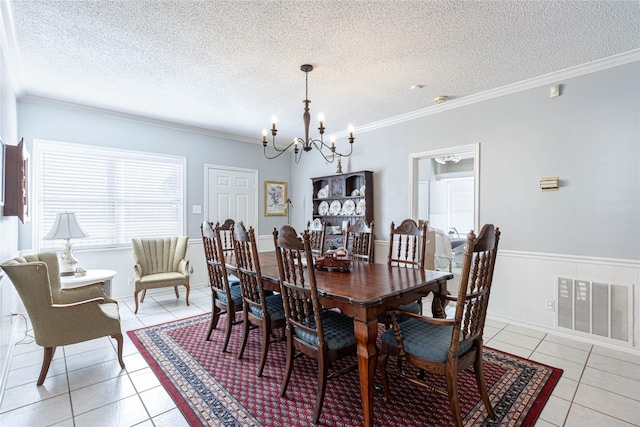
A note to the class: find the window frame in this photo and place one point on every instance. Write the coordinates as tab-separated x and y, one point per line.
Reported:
43	145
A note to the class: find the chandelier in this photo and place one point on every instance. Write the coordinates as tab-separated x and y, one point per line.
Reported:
307	143
455	158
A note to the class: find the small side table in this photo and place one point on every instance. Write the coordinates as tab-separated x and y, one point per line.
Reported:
92	276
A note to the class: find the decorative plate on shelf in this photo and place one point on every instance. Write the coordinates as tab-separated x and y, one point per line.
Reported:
348	208
361	207
355	192
317	224
323	193
362	190
323	208
335	207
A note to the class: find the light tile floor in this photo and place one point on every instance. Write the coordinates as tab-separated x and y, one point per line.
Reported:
86	387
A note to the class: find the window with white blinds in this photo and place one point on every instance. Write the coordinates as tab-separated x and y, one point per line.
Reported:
460	199
115	194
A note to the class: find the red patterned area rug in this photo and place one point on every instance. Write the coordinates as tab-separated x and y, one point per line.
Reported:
216	389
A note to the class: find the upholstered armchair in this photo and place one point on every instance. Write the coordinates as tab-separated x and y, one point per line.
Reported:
160	262
61	316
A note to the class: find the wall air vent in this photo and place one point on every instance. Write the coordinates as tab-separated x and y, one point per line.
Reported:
596	308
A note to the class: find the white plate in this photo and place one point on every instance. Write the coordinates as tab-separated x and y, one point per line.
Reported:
335	207
348	208
323	208
317	224
323	193
362	190
355	192
361	207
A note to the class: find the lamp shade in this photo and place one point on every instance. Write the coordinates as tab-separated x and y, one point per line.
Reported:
65	227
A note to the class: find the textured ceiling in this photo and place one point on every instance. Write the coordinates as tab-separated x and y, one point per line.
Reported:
229	66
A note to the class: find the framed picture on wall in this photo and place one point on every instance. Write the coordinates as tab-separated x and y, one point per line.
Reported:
275	198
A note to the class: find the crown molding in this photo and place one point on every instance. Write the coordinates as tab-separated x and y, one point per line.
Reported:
555	77
551	78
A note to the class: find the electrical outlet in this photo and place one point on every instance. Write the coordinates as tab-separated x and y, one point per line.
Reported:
550	305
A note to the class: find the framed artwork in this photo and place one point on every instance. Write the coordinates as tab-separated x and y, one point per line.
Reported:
275	198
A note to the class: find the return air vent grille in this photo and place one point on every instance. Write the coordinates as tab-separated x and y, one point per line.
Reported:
596	308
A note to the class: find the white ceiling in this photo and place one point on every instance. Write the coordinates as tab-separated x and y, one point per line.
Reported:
228	66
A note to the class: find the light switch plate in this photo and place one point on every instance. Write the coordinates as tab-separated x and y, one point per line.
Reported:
196	209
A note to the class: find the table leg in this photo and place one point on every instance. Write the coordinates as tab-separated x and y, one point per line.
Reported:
366	334
439	302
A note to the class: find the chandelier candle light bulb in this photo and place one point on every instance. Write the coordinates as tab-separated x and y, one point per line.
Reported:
329	153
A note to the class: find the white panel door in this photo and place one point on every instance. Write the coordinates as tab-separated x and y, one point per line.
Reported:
231	193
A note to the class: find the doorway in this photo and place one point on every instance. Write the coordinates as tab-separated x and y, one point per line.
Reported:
444	187
231	193
444	191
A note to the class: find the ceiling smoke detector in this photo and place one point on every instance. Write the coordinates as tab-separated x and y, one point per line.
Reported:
440	99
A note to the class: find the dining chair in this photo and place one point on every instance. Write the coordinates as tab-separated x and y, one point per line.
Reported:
447	347
226	236
260	308
407	249
359	241
60	316
317	235
407	244
325	335
225	298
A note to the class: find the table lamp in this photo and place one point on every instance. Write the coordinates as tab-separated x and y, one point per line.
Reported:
66	227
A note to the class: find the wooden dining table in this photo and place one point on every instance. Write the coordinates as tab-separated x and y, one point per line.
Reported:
364	292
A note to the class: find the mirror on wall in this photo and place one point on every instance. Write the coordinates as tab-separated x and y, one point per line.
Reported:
445	192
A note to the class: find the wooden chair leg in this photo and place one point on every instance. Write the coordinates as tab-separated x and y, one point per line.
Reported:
46	362
144	294
175	289
119	340
231	317
452	391
288	363
246	324
482	386
187	296
322	387
135	297
215	316
266	339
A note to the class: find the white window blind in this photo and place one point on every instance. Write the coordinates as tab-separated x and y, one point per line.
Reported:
461	199
115	194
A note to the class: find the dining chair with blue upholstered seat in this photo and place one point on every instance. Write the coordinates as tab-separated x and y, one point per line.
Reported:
317	236
407	249
225	297
359	241
260	308
448	346
325	335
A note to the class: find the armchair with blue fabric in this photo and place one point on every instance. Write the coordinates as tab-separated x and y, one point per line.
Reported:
448	346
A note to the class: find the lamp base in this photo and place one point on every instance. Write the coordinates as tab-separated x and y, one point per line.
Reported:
68	261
